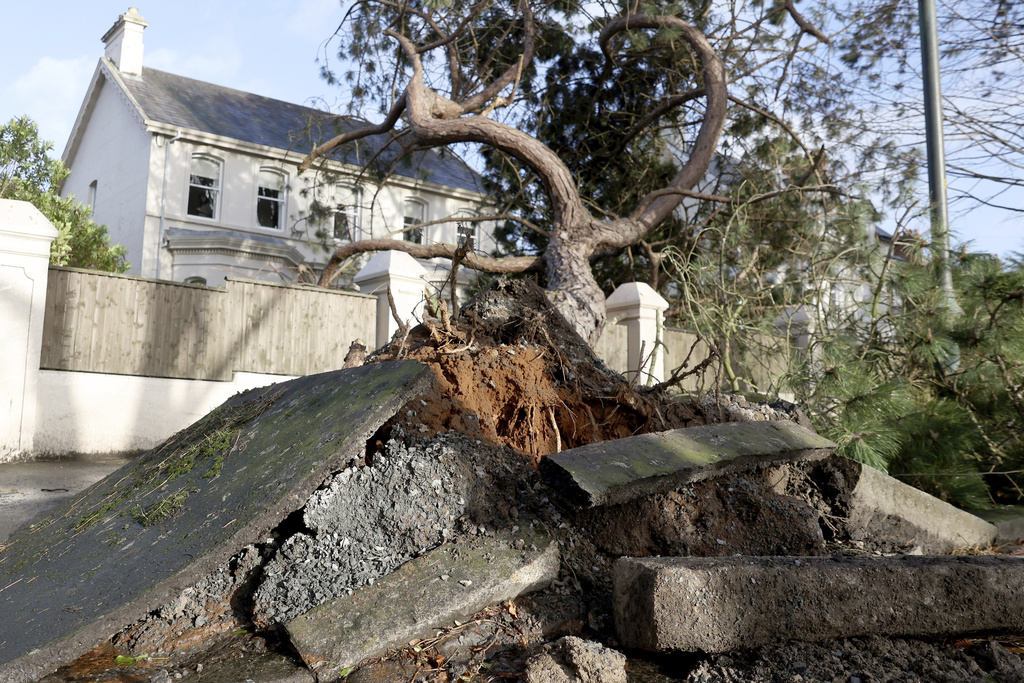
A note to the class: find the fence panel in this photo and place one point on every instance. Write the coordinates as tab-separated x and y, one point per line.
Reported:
117	324
686	347
612	347
296	330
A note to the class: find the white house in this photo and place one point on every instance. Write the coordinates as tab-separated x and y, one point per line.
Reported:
200	182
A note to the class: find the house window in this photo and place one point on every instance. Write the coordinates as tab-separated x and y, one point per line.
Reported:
195	280
414	212
347	202
203	187
270	199
92	194
467	229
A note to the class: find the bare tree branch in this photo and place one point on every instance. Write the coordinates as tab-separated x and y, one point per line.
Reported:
706	142
357	134
806	26
512	264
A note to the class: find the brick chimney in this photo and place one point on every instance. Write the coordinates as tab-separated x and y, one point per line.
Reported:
124	42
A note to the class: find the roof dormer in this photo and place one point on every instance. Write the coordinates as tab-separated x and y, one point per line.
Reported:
124	42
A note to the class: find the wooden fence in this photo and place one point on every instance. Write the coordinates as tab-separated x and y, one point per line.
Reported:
759	369
118	324
124	325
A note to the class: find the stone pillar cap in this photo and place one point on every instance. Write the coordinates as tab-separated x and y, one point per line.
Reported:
633	295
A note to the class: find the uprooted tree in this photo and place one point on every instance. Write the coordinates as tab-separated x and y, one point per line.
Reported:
443	72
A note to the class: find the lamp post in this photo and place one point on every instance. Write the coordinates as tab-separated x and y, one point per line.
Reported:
938	211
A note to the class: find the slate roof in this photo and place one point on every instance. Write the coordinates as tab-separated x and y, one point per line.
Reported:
188	103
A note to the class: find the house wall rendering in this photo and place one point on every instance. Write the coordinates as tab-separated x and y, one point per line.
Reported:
111	167
201	182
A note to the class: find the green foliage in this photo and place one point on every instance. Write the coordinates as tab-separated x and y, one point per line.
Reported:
887	372
934	397
28	173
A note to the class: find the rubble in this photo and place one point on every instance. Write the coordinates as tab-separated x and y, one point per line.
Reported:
139	538
574	660
449	467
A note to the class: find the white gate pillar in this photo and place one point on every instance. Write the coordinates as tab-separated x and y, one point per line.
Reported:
25	237
405	276
641	309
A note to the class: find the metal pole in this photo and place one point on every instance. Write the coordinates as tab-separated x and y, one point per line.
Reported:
936	154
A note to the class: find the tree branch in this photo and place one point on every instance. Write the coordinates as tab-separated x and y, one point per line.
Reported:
359	133
656	113
704	146
513	73
513	264
806	26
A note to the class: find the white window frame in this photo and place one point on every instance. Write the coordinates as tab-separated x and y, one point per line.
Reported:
411	233
351	212
281	201
472	227
214	189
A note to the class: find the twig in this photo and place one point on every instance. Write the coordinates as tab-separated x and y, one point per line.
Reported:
457	258
403	328
678	375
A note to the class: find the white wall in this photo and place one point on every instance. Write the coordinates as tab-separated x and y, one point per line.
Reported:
94	413
25	237
114	151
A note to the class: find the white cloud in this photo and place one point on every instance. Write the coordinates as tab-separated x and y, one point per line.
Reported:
51	92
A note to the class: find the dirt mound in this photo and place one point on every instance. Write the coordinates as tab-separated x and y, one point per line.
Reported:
512	372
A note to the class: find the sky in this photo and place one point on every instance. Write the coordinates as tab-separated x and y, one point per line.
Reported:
267	47
50	51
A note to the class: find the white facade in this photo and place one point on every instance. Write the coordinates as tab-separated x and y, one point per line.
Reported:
138	172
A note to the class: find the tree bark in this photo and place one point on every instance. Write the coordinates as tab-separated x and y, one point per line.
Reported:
436	121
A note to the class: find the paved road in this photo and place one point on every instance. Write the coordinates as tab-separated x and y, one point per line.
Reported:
29	489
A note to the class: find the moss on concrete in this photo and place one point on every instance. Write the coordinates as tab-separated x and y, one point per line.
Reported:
616	471
203	445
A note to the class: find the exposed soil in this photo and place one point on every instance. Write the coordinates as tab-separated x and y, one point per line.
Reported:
511	372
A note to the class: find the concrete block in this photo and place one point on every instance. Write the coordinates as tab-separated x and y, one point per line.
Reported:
1010	530
742	602
612	472
882	508
446	584
110	555
1008	520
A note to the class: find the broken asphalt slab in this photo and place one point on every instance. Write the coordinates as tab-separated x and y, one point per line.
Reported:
449	583
742	602
108	556
613	472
